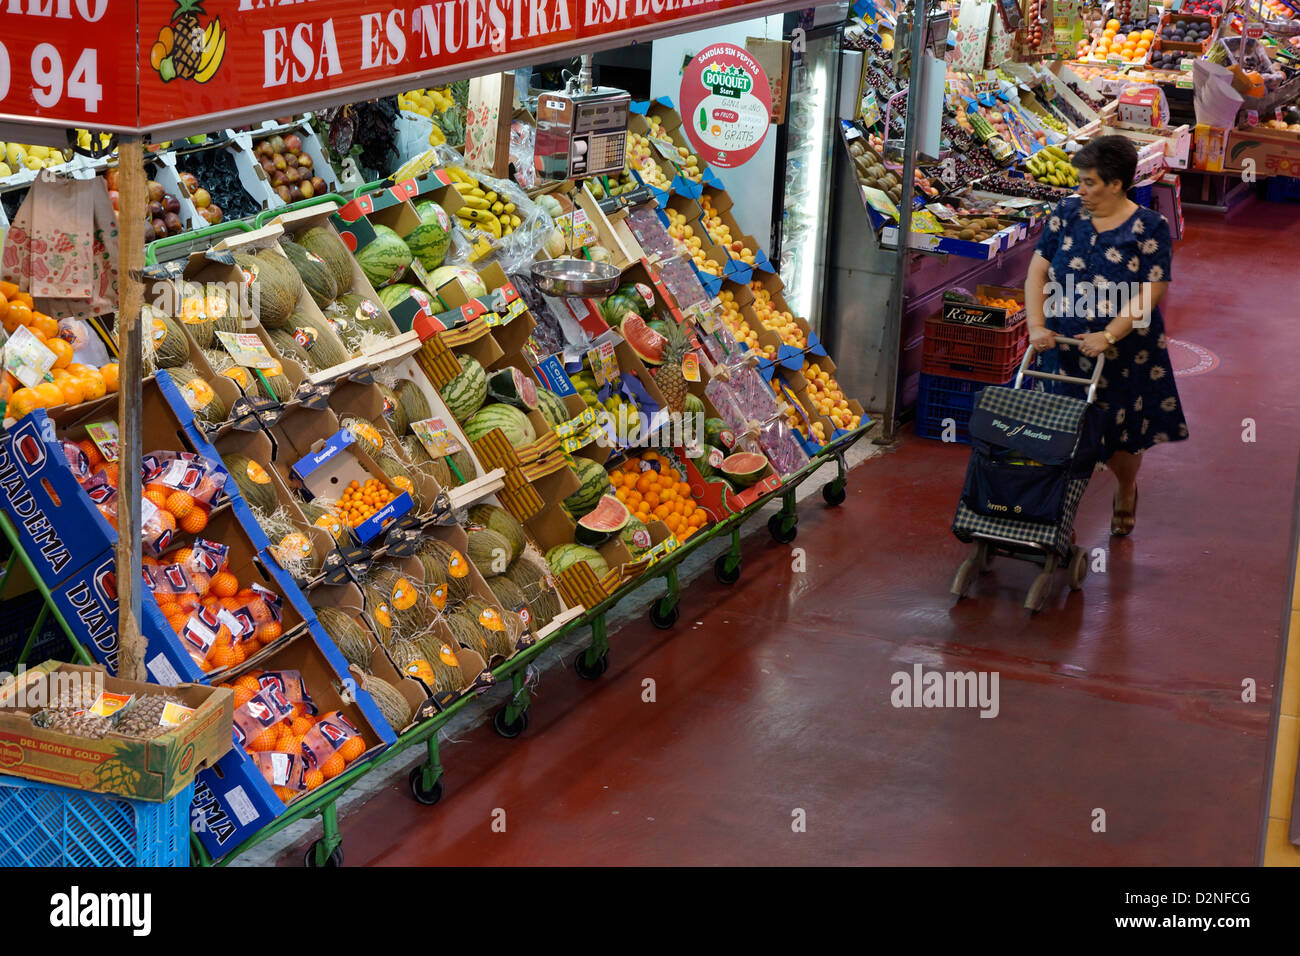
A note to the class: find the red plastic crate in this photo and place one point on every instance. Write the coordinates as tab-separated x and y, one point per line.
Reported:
973	353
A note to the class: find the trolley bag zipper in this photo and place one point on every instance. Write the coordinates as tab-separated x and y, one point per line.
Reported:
1000	484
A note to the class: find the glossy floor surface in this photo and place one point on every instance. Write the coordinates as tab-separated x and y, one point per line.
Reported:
1121	704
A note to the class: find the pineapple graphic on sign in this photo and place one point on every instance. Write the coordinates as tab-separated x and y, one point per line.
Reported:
185	48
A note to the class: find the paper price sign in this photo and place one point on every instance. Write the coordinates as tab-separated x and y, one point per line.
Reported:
435	437
104	435
691	367
109	704
604	364
27	358
986	82
249	351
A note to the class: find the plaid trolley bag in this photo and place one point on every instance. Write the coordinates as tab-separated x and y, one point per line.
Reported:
1032	454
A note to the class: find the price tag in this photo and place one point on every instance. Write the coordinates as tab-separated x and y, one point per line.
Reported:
109	704
986	82
942	211
27	358
1183	84
1187	65
104	435
1252	117
668	151
174	715
691	367
1254	31
436	438
604	364
249	351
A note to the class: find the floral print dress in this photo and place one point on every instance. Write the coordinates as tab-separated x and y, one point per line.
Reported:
1088	272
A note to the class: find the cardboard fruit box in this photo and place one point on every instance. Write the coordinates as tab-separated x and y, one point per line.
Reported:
232	799
153	770
987	316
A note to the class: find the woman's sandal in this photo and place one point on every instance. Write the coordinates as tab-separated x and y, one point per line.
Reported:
1122	522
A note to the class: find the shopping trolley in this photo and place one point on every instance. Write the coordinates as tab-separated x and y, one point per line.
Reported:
1032	456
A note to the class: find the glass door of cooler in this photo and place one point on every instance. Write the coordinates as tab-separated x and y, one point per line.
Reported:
803	193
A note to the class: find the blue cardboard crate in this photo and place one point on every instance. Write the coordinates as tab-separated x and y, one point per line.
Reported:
46	825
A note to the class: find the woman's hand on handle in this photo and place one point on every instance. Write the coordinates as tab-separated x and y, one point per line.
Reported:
1092	344
1041	339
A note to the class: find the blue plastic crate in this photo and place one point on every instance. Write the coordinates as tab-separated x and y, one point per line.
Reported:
17	618
46	825
939	398
1282	189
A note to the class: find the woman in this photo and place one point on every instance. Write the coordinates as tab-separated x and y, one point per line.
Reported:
1098	274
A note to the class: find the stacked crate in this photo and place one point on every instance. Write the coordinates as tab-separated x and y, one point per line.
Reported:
967	347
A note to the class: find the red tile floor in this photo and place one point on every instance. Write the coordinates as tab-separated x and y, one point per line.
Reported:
1125	697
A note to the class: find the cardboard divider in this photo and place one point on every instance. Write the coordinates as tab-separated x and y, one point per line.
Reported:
412	368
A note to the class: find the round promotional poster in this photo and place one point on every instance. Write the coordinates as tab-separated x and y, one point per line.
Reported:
726	105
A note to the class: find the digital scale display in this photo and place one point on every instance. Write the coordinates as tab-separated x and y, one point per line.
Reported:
581	134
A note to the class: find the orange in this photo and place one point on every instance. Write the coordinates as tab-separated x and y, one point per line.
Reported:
50	393
352	748
110	472
269	633
48	328
24	402
8	289
265	741
24	297
62	350
179	504
249	682
286	795
94	383
167	605
313	779
195	521
109	372
17	314
300	726
78	368
157	497
73	391
334	766
225	584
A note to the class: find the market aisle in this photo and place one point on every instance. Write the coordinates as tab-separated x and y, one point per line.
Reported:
775	694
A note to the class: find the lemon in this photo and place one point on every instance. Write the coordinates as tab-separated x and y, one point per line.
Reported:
31	162
15	154
5	171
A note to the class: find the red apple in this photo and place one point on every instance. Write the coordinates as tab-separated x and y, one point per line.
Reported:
306	189
318	185
304	161
293	142
292	175
156	209
159	226
291	160
190	180
280	162
156	192
295	192
277	144
279	178
173	223
149	234
282	192
171	204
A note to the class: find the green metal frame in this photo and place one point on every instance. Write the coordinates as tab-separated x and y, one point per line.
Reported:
191	238
17	554
322	802
266	215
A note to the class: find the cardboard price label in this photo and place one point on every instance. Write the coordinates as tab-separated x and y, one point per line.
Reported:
248	350
109	704
604	364
691	367
27	358
436	438
104	435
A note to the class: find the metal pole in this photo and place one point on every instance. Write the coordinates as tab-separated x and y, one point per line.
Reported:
130	296
895	330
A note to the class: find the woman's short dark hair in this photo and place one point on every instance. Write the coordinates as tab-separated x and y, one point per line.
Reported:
1112	157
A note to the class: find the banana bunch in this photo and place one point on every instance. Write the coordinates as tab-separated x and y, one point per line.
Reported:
1051	165
485	215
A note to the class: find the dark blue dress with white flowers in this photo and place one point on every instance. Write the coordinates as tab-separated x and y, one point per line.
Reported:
1088	275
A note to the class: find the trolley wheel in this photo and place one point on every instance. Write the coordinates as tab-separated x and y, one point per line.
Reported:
1078	568
661	619
593	671
509	731
427	797
1036	599
334	859
781	535
723	574
834	493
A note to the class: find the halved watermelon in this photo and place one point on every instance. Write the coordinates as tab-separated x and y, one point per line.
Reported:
608	518
743	468
513	387
648	344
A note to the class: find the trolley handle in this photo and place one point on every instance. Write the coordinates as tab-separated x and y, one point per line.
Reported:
1061	340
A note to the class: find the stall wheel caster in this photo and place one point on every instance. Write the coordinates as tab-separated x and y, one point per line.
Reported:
427	797
506	730
834	493
334	859
779	534
661	619
592	671
725	574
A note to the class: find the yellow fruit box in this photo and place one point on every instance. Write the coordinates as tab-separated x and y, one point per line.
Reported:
153	770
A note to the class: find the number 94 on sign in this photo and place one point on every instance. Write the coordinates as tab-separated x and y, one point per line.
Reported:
51	81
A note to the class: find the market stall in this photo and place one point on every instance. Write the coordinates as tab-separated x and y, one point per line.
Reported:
396	436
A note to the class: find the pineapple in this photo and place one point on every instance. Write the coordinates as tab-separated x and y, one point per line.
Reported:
187	38
670	379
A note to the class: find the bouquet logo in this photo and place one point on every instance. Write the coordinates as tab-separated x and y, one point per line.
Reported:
187	49
728	81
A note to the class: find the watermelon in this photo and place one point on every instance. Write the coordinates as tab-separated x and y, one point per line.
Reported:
384	258
624	300
564	556
709	462
658	325
469	280
552	407
719	434
743	468
694	405
466	393
513	423
635	537
648	344
608	518
430	240
513	387
594	486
